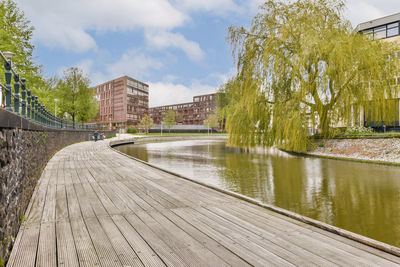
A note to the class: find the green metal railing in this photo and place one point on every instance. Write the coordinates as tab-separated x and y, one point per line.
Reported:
27	105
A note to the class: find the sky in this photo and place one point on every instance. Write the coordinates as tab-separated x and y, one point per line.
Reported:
178	47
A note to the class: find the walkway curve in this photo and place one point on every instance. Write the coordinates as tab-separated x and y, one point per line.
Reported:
96	207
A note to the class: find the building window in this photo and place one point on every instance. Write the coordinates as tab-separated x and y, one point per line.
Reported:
384	31
393	29
380	32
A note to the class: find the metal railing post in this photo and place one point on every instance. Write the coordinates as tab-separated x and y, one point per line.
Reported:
39	113
44	114
29	105
35	104
8	74
23	95
16	94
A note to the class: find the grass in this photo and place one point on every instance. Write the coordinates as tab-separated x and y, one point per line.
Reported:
110	136
179	134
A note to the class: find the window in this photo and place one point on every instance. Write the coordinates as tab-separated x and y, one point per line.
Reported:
385	31
380	32
393	29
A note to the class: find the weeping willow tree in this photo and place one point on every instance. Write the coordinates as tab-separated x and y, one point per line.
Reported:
301	65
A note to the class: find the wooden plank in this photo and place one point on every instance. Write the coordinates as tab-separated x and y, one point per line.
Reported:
47	254
86	252
95	203
222	252
102	244
105	200
185	242
66	251
140	202
61	203
145	252
163	250
329	248
237	248
126	254
83	200
274	241
74	210
26	254
35	214
49	210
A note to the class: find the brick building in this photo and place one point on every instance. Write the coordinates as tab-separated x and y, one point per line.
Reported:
122	102
191	113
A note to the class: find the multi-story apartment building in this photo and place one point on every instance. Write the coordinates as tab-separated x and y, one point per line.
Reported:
122	102
191	113
385	29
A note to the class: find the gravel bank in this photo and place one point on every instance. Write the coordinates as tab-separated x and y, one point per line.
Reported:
385	150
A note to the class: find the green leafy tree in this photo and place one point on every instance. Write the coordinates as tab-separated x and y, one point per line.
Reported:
146	123
75	96
16	36
222	101
169	119
301	64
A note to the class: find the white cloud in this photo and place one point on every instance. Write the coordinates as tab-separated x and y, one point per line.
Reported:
167	93
66	23
216	6
133	63
162	40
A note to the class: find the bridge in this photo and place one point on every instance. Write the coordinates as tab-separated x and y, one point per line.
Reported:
93	206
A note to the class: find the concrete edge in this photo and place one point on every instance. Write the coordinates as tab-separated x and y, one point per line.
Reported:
330	228
369	161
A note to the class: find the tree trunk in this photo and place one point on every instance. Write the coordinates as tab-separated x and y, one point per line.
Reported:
73	120
324	122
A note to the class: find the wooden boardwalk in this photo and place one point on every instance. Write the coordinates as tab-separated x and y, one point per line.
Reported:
95	207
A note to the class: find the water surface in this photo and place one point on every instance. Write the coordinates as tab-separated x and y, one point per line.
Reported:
359	197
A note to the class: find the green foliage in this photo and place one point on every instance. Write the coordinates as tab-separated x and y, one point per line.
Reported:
16	36
146	123
22	220
75	96
169	119
302	65
132	130
359	130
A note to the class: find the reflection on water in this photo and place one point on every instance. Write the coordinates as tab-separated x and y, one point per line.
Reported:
362	198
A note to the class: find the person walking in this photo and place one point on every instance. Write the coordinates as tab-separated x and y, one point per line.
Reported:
96	134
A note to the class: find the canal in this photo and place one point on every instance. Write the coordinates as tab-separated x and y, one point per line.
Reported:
359	197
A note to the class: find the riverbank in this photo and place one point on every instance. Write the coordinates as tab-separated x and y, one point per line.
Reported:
375	150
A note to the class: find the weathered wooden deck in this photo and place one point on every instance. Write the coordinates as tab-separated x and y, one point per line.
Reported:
96	207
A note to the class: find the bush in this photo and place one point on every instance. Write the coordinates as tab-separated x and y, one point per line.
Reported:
132	130
359	130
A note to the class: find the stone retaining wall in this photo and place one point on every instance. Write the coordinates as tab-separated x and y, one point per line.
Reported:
23	155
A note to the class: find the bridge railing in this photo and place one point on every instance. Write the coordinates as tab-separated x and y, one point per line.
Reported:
20	100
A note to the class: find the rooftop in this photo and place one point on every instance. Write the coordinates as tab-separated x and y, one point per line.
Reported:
378	22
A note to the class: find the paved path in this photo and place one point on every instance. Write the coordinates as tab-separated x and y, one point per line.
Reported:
96	207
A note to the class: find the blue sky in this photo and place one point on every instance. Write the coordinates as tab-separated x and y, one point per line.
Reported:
178	47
